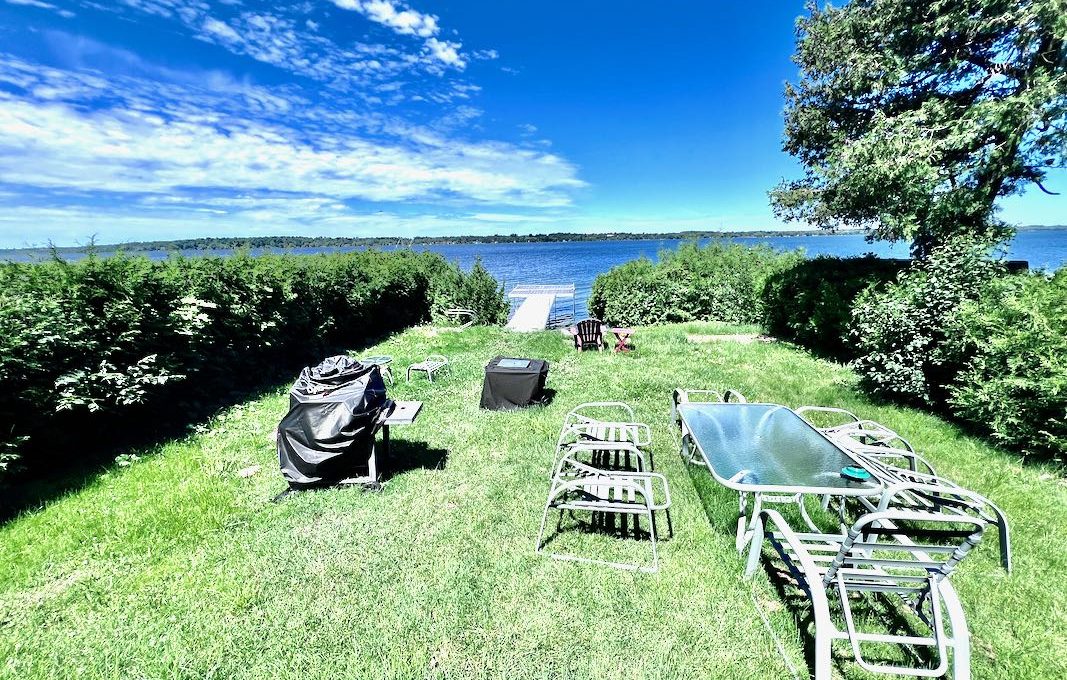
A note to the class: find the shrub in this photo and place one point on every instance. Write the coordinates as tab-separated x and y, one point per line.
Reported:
811	302
477	291
718	282
96	346
635	293
1012	344
899	331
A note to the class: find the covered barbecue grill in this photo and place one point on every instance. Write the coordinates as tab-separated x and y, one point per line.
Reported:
335	409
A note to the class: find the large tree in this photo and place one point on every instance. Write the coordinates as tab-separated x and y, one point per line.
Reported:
912	117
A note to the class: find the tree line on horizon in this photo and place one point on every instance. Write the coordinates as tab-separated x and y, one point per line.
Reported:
287	242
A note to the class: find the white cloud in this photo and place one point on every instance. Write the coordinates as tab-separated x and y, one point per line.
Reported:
142	152
407	21
178	145
221	30
65	13
445	51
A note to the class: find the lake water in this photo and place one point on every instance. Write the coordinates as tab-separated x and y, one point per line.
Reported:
579	262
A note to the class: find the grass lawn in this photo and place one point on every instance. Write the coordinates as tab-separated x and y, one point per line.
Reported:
175	566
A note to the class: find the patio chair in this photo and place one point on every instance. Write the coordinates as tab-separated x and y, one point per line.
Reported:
901	553
431	365
855	432
912	490
579	487
913	483
588	333
682	396
464	317
606	421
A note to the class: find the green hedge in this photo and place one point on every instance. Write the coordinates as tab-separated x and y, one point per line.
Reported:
717	282
810	303
1011	345
91	347
900	330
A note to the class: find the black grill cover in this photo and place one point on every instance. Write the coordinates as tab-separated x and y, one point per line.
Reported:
333	415
513	386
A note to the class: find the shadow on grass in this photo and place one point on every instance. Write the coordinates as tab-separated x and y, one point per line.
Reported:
76	458
406	455
611	524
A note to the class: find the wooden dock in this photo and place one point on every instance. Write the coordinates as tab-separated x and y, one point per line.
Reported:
536	306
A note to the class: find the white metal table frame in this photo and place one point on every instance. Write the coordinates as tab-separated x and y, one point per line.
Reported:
769	493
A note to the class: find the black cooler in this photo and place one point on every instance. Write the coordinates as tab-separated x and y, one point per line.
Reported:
513	383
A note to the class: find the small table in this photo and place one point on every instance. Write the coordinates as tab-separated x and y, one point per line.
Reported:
403	413
383	363
622	339
771	453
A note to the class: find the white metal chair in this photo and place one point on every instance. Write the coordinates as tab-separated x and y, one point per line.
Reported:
912	490
605	421
577	486
431	365
896	552
912	482
683	396
465	318
855	432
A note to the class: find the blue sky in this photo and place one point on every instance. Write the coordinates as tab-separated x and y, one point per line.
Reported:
160	119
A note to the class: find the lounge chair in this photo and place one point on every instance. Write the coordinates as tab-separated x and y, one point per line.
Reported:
431	365
588	334
894	460
912	490
851	432
465	318
902	553
577	486
604	421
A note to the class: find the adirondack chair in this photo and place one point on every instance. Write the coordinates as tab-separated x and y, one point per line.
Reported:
588	334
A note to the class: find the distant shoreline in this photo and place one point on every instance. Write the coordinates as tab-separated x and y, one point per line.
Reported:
287	242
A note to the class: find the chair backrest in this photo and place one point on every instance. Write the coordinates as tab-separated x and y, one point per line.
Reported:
826	417
437	359
905	546
589	331
608	411
460	315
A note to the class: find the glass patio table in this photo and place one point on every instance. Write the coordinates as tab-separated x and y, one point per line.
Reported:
770	453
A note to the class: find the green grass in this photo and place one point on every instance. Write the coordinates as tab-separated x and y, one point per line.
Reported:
176	567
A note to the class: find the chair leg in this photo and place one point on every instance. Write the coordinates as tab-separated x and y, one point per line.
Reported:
755	549
822	655
960	641
544	520
652	537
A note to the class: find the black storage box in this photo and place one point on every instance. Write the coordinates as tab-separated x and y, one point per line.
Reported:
513	383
